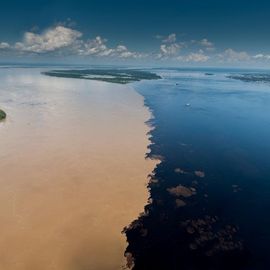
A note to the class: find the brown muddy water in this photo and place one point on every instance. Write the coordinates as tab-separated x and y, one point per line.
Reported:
72	171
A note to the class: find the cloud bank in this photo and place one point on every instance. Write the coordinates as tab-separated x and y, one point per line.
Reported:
62	40
51	40
65	41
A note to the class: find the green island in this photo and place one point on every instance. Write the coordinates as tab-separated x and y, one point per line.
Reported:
251	77
3	115
122	76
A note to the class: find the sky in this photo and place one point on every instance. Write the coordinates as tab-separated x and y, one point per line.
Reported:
171	32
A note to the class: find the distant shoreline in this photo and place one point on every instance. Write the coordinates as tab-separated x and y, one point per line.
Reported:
121	76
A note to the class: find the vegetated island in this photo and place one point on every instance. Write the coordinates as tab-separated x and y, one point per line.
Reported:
122	76
251	77
3	115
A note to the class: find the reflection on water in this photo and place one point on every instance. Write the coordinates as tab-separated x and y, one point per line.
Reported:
210	195
73	171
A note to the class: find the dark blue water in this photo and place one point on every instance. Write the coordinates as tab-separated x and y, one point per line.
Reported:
221	128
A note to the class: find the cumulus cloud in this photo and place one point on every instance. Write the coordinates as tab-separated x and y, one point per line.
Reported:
4	45
51	40
169	47
123	52
199	56
230	55
168	50
62	39
98	47
261	56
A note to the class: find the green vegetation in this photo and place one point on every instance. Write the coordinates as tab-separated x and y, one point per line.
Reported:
3	115
122	76
251	77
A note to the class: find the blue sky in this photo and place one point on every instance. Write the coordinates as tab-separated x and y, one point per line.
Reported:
183	32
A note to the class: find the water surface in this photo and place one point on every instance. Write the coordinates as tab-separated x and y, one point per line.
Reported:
73	171
211	194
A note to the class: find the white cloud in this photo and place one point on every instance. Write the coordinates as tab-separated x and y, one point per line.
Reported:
98	47
230	55
199	56
51	40
170	38
258	56
4	45
203	43
168	50
123	52
62	39
169	47
261	56
206	43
